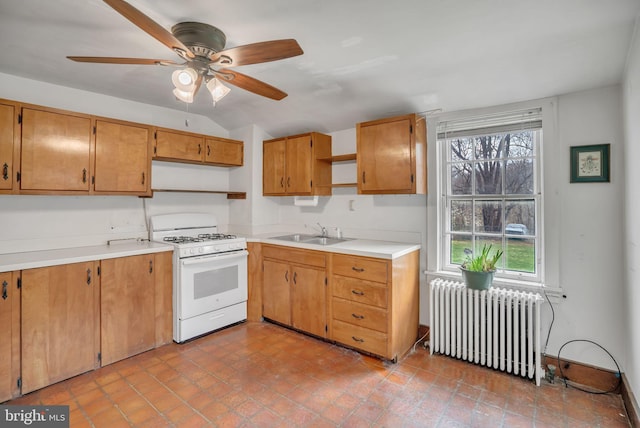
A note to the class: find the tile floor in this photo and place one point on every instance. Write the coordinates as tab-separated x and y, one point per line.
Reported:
262	375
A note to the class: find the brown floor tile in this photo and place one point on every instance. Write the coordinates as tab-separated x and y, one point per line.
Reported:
261	375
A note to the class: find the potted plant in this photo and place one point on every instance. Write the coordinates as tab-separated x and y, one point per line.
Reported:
478	271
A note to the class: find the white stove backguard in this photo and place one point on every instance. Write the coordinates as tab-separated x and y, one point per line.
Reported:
179	224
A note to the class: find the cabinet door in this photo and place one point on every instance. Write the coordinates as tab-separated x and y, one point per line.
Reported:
224	152
55	151
122	158
59	320
127	307
7	114
273	167
10	342
179	146
163	278
385	158
308	300
298	165
276	297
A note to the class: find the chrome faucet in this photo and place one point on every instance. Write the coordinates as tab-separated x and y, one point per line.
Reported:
324	230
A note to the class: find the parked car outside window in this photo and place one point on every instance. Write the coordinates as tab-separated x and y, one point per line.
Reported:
516	229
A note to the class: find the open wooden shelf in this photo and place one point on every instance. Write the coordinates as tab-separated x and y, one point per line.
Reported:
341	158
230	194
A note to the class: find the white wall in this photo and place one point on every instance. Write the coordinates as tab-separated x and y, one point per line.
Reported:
591	231
631	241
29	223
582	228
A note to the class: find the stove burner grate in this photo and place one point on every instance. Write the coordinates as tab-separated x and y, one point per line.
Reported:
215	236
203	237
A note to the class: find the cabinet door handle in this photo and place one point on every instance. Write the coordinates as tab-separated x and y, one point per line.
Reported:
357	339
4	290
358	292
286	276
84	175
150	266
364	177
282	182
357	269
199	148
143	178
88	276
295	277
288	181
208	150
358	317
5	172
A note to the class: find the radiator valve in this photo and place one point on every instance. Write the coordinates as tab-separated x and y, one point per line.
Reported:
551	373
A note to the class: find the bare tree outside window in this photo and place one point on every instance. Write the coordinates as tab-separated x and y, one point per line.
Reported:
491	196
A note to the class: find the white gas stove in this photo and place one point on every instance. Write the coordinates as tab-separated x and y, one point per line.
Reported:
209	273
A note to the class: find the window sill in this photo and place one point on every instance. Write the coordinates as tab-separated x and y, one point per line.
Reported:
531	286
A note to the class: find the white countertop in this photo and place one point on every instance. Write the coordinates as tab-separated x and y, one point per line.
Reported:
357	247
36	259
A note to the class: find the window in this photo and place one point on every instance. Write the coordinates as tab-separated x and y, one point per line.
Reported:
490	186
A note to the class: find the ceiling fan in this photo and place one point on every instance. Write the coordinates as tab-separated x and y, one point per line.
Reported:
201	46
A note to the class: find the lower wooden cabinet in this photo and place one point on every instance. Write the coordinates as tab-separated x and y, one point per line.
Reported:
295	288
60	319
369	304
10	342
69	319
375	303
127	307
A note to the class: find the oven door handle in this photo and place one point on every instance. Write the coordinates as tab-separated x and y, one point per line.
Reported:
222	256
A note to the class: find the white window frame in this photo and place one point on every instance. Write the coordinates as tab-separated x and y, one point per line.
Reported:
442	268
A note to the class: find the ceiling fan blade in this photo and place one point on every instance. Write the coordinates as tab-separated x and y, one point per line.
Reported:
150	27
115	60
257	52
250	84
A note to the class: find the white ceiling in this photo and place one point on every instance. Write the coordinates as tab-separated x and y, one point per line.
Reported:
363	59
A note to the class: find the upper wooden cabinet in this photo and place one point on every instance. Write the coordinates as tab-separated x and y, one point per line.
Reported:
178	146
8	133
297	165
224	152
392	155
55	151
60	152
123	158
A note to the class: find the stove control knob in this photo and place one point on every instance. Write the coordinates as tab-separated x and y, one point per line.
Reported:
200	250
192	250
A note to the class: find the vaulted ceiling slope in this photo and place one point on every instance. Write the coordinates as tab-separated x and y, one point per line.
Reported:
363	59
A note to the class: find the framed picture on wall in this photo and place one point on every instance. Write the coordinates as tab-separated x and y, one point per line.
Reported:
590	164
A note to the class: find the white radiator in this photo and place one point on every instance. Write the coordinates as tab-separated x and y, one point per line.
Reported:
497	328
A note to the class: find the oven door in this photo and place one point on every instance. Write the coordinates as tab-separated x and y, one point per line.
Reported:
211	282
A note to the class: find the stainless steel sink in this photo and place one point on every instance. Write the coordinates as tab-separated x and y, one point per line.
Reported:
310	239
295	237
324	240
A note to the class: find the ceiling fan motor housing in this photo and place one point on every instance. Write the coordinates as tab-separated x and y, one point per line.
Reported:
202	39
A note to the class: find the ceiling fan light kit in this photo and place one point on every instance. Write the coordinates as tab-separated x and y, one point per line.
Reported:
217	89
184	96
184	79
202	47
